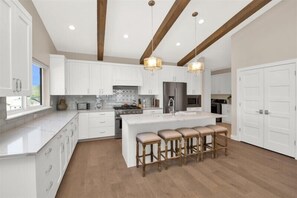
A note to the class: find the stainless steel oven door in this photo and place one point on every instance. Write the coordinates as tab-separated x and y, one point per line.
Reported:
118	127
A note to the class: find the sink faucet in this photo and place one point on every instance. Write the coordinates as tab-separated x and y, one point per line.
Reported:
171	107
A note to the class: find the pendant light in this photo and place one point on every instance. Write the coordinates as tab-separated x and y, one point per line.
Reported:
196	66
152	63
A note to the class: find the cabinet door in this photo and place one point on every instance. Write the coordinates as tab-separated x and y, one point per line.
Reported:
22	52
83	125
213	84
194	84
179	74
95	79
280	101
127	76
150	83
252	122
6	86
106	79
78	78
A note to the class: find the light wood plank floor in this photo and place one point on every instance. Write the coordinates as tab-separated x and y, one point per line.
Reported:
98	170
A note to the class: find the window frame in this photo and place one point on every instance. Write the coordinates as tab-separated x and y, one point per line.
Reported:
25	106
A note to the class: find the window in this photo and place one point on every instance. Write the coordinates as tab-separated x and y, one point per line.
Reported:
15	104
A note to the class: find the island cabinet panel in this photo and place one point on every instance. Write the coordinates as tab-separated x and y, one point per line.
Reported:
15	49
39	175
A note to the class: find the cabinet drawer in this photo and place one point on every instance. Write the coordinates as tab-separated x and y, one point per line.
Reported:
101	114
96	132
102	122
156	111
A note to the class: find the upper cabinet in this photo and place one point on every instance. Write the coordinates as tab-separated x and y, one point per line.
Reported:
173	74
194	84
78	77
125	75
58	75
15	49
221	83
101	80
150	83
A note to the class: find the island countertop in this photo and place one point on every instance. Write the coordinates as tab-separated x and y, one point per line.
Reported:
136	119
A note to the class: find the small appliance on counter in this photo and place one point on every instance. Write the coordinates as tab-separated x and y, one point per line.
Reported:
83	106
155	102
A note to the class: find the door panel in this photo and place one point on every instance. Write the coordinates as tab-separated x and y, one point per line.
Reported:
251	88
78	78
280	101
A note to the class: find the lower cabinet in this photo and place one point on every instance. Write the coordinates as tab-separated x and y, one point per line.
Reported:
226	110
96	125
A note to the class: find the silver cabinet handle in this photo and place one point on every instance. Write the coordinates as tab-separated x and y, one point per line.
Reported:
49	169
17	85
50	186
260	111
72	133
63	147
60	136
48	151
102	122
21	87
267	112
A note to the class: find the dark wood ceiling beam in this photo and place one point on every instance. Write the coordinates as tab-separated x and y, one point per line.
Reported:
101	21
174	12
245	13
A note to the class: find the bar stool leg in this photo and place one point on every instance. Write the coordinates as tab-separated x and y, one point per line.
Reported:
137	154
179	151
226	144
152	152
159	156
176	147
143	160
186	149
213	145
191	145
202	148
197	148
171	148
166	154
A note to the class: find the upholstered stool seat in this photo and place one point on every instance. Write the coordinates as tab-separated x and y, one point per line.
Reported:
220	133
148	138
204	146
169	135
189	148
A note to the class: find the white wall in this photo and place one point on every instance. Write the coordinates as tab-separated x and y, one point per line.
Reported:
270	38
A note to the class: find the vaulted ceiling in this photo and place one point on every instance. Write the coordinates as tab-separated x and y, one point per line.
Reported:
133	18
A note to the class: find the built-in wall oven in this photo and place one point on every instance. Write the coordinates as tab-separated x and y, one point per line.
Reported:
216	107
194	101
123	110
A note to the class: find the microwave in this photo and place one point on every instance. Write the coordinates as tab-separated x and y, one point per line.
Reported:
194	101
83	106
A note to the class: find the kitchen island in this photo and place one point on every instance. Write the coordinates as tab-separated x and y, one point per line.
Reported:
134	124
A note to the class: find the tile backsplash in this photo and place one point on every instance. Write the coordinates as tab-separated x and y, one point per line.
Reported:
121	95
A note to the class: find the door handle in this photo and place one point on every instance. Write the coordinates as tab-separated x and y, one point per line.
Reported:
267	112
260	111
21	87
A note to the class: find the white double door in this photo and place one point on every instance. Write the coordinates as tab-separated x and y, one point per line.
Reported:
267	105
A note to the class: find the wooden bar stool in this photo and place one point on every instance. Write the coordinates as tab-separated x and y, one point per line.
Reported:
188	136
220	133
169	135
204	146
148	138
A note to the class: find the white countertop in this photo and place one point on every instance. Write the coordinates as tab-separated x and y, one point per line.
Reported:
96	110
31	137
157	118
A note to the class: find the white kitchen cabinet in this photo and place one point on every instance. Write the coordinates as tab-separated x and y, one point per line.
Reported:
267	102
226	110
173	74
101	80
83	125
78	77
150	83
194	84
58	75
15	49
96	125
221	83
152	111
127	75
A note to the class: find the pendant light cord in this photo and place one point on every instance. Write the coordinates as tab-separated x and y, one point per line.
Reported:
195	35
152	13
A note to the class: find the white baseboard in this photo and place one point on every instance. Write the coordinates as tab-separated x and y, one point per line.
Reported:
235	137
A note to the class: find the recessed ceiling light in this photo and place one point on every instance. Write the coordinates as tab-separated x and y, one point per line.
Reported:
71	27
201	21
177	44
126	36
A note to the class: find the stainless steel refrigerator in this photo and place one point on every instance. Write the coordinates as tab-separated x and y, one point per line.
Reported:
176	91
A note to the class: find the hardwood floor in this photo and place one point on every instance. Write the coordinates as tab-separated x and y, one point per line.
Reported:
97	169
